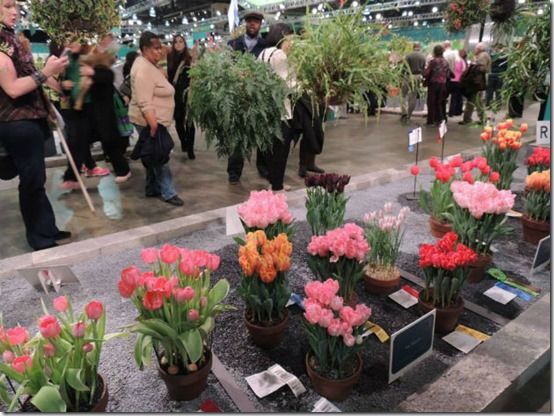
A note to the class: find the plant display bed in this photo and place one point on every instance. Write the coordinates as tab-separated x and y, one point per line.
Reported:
132	390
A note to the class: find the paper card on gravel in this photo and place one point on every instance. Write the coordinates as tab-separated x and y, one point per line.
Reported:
461	341
232	221
325	406
264	383
499	295
403	298
290	379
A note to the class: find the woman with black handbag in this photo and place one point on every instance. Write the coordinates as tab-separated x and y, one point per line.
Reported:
436	75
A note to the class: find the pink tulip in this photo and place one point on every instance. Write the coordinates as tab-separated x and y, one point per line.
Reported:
78	330
17	336
49	326
193	315
49	350
8	356
87	347
94	310
149	255
61	303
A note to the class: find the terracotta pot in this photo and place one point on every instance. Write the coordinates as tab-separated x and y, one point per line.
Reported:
102	403
447	318
439	229
478	268
336	390
267	336
187	387
377	286
534	231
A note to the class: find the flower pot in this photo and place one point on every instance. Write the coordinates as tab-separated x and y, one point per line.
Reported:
439	229
478	268
189	386
336	390
534	231
267	336
447	318
377	285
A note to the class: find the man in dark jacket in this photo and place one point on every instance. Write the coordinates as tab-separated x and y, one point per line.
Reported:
253	43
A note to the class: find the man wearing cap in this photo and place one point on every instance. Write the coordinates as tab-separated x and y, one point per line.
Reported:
253	43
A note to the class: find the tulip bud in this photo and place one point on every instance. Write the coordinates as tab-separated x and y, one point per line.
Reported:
79	329
193	315
203	301
49	350
88	347
8	356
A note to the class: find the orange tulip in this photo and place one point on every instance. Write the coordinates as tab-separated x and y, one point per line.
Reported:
488	129
523	128
509	123
485	136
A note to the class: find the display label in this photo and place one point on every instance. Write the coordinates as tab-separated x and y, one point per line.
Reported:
271	380
500	295
411	345
325	406
542	255
404	298
543	133
48	278
288	378
232	221
442	130
415	137
516	291
379	332
473	332
461	341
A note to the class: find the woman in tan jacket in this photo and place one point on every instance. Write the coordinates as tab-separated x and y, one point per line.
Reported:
152	103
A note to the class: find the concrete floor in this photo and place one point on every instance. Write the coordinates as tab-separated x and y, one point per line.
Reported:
353	146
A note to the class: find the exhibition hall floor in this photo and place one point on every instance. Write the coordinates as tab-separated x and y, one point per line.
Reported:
352	146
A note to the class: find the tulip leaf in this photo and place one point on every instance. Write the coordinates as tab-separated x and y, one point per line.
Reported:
49	400
11	373
161	328
192	341
74	378
218	292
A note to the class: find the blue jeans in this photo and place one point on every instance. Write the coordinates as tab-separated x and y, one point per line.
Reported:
158	179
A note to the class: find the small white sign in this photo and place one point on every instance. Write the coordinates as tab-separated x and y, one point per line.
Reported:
288	378
232	221
499	295
403	298
543	132
325	406
443	129
272	379
48	278
462	341
414	136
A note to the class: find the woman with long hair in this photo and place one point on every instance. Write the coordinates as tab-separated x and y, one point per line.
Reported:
179	62
23	127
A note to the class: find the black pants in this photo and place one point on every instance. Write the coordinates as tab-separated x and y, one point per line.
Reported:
494	85
185	130
277	158
515	106
436	96
456	100
81	130
24	142
235	164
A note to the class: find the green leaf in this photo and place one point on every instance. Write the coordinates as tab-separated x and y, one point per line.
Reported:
11	373
208	325
192	341
218	292
74	378
49	400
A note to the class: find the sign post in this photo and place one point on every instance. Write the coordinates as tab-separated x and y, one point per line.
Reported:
414	139
442	137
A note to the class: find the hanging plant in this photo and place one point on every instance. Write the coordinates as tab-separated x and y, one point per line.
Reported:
237	101
464	13
528	65
66	19
502	10
337	60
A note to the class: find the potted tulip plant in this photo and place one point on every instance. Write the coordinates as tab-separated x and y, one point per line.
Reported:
383	232
479	218
58	368
445	265
501	150
266	211
340	253
264	287
177	306
325	201
539	160
334	332
438	201
536	219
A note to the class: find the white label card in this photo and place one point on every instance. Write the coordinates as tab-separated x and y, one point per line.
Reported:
288	378
264	383
403	298
325	406
500	295
462	341
414	136
543	132
442	129
232	221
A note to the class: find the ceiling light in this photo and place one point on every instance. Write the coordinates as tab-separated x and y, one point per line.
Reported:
435	9
152	12
416	23
410	13
355	4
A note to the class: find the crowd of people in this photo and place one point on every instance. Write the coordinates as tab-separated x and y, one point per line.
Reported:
78	82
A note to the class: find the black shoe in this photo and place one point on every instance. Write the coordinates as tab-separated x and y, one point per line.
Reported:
62	235
315	169
302	171
191	155
154	195
176	201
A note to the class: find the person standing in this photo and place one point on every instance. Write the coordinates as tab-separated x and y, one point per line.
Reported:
152	103
456	97
482	67
499	63
179	62
410	85
23	128
253	43
436	74
451	55
278	42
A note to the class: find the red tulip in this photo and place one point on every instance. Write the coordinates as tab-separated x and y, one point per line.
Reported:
20	364
17	336
61	304
494	177
79	329
153	300
94	310
414	170
49	326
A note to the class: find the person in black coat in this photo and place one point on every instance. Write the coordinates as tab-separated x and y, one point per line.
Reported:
253	43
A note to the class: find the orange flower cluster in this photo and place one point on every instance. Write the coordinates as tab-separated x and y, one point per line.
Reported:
265	257
539	181
505	138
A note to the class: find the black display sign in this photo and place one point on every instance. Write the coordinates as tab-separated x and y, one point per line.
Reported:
411	344
542	255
